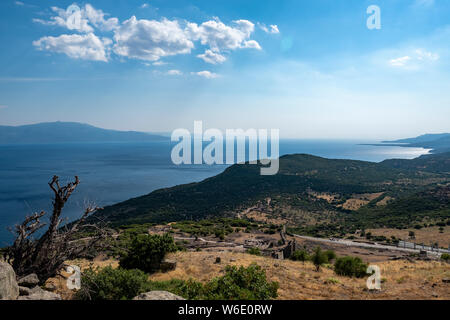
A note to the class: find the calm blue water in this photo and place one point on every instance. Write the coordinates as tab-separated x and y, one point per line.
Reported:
113	172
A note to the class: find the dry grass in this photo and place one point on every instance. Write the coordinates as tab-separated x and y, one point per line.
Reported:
299	281
425	235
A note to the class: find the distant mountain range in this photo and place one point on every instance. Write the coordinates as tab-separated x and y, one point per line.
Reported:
69	132
439	142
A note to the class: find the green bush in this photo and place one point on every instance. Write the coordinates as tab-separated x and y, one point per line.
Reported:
241	284
445	257
111	284
254	251
331	255
300	255
319	258
147	251
189	289
350	267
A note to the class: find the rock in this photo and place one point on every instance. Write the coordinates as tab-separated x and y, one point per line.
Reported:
232	260
39	294
24	291
50	286
218	260
29	281
158	295
168	265
9	289
446	280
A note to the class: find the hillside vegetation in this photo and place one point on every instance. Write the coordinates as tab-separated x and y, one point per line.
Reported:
312	194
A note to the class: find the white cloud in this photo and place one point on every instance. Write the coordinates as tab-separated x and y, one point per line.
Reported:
206	74
97	18
423	55
219	36
147	40
400	62
174	73
272	29
19	3
85	47
415	59
212	57
83	21
150	39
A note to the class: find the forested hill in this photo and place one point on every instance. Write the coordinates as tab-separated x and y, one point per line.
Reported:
437	142
294	190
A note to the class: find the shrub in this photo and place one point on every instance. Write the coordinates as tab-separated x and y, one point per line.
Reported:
350	267
254	251
111	284
147	251
300	255
319	258
331	255
241	284
445	257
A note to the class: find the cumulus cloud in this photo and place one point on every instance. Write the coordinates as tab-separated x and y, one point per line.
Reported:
150	39
206	74
85	47
272	29
146	40
83	20
414	60
211	57
145	5
218	36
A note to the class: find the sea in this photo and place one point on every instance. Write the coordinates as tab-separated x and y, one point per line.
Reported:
114	172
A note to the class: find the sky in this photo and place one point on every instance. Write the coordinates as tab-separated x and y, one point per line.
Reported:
312	69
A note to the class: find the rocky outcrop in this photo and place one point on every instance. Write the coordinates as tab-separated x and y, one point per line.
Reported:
158	295
39	294
9	289
29	281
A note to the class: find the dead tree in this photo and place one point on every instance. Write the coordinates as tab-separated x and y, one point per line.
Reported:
47	255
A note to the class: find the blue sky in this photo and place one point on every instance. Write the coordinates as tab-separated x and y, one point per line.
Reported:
309	68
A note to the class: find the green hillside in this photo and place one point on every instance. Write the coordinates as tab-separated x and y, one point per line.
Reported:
408	183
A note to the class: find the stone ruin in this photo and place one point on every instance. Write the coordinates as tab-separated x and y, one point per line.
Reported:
288	249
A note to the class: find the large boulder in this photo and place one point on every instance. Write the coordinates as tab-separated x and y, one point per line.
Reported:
9	289
29	281
39	294
158	295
